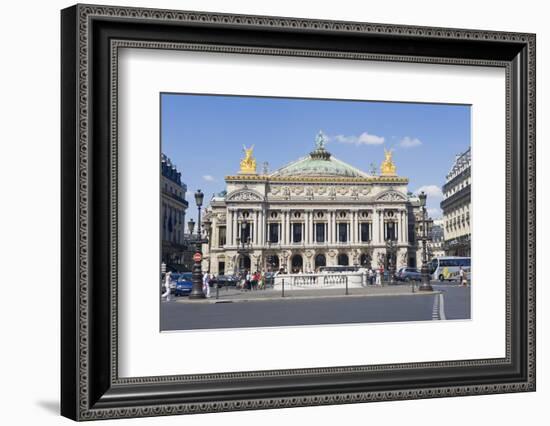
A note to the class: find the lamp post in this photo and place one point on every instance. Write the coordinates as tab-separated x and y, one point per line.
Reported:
390	247
196	277
425	286
207	225
199	197
243	243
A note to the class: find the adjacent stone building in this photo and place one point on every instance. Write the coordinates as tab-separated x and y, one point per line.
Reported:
172	214
456	206
313	212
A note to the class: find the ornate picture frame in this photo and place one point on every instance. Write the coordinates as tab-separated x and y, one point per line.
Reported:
90	38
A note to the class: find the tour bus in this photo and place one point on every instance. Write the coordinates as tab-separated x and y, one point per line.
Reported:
446	268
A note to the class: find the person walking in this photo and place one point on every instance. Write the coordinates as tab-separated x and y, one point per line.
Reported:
379	273
462	276
248	281
206	284
167	282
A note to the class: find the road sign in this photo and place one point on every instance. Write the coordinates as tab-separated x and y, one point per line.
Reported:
197	257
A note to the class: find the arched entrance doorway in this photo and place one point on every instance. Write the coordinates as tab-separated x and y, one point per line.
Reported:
272	262
320	261
297	263
343	259
365	260
244	262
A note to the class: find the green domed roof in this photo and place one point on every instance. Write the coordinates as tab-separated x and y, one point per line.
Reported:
309	166
319	163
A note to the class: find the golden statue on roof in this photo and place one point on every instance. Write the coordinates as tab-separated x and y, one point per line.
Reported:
248	163
387	168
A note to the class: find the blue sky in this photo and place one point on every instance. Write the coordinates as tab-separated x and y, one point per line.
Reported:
203	135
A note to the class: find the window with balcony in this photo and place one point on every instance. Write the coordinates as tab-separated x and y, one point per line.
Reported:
343	232
364	230
391	233
273	233
246	232
320	232
296	232
221	236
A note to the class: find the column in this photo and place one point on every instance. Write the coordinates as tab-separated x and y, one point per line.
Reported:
400	227
355	225
261	229
406	227
375	225
328	234
334	230
229	226
283	226
305	228
382	227
235	226
288	238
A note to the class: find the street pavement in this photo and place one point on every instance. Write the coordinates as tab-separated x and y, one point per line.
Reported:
236	309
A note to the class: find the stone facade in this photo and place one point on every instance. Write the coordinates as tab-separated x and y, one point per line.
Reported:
173	208
313	212
456	206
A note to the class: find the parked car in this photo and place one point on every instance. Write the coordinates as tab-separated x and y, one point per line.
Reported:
225	281
183	284
174	277
408	274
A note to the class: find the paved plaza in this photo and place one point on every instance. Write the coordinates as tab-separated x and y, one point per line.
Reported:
268	308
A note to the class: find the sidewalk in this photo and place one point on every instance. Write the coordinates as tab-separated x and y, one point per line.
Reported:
233	295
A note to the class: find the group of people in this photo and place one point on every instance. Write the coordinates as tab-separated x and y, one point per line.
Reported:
251	281
374	276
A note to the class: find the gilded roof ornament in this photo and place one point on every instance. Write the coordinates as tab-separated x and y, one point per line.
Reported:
248	163
387	168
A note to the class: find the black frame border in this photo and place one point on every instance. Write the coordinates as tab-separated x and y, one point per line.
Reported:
90	387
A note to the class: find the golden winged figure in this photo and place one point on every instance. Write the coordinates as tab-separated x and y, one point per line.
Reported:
248	163
387	168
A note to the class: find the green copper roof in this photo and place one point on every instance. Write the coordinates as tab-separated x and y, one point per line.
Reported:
319	163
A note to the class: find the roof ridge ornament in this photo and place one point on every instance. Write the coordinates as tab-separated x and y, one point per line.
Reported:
248	163
320	140
387	168
320	153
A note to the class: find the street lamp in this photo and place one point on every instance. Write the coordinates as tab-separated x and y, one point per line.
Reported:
196	277
243	242
390	247
199	196
207	225
425	286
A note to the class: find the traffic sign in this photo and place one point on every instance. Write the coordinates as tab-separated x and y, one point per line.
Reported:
197	257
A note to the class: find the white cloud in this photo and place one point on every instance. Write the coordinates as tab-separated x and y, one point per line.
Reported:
432	191
363	139
408	142
209	178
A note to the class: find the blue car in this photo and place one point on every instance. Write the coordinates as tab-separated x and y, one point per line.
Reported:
183	284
